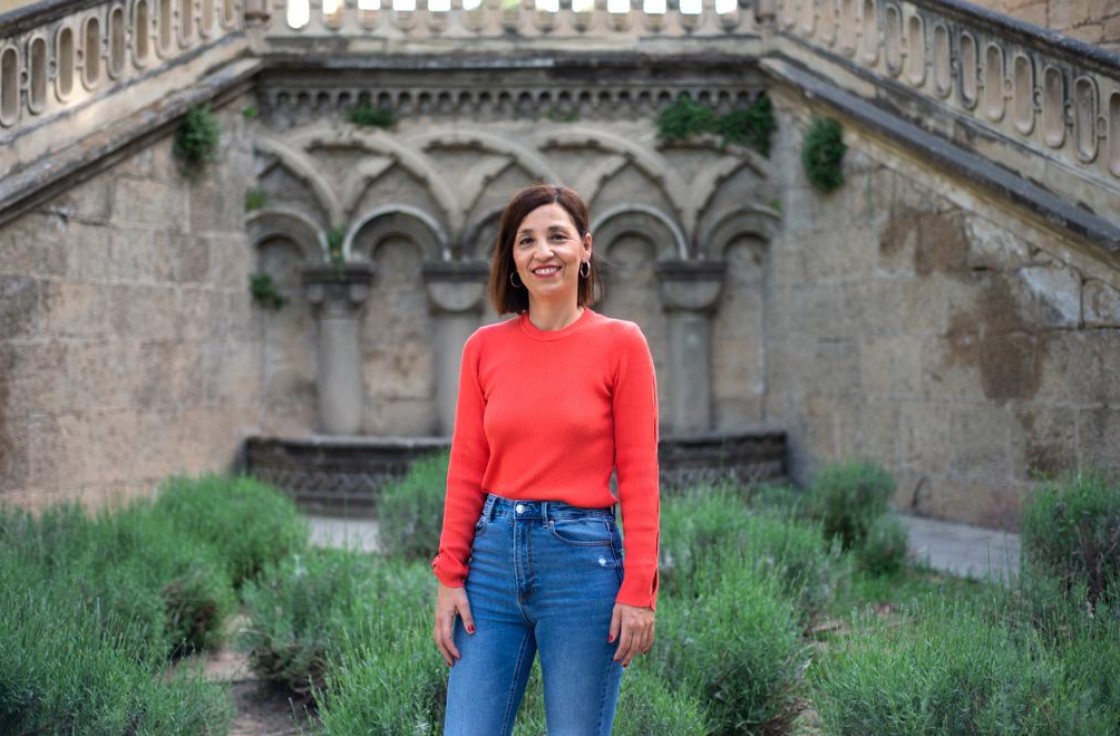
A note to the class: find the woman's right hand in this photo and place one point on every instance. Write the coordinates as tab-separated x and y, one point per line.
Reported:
450	602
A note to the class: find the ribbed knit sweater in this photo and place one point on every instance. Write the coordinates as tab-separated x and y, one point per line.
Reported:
547	416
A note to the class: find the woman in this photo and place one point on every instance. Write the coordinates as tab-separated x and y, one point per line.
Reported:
530	559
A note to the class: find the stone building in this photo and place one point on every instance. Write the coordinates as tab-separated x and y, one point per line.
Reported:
950	311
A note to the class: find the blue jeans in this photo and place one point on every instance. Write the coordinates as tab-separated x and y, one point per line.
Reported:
543	578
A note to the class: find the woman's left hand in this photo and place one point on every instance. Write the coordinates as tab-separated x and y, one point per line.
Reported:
632	627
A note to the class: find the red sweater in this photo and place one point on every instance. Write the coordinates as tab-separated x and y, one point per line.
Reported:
546	416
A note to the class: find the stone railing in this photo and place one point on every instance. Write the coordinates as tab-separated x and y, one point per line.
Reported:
1044	106
380	25
88	65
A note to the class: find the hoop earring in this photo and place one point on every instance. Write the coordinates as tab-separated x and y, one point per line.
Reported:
585	269
515	284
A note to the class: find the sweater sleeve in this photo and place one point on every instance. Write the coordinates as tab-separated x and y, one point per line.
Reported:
470	453
635	443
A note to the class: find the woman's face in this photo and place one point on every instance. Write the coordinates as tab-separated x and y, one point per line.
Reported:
548	251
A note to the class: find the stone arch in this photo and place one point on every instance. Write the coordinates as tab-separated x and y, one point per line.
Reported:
469	245
401	220
407	157
666	235
647	160
728	226
303	168
267	224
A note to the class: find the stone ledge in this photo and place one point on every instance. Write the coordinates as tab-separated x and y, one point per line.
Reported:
1036	202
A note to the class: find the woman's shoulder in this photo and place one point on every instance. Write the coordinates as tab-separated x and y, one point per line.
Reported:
617	328
493	331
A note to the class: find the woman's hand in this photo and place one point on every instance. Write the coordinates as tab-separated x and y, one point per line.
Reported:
450	602
635	627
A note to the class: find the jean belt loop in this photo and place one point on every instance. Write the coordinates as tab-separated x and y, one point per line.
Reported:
545	511
488	509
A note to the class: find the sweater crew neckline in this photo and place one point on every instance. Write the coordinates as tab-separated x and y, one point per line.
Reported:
537	333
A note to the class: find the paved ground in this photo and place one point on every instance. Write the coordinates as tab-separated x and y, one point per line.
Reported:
962	550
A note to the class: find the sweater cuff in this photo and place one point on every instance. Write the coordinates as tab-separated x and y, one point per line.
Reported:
449	572
639	591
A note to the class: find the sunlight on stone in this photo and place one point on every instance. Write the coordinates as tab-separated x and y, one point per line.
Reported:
654	6
472	4
330	7
583	6
404	5
618	6
299	13
369	4
548	6
691	7
723	7
439	6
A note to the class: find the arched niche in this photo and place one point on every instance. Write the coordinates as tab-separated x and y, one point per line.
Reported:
400	222
714	238
285	244
480	237
655	226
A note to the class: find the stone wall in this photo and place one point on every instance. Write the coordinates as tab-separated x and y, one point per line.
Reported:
129	346
1092	21
917	322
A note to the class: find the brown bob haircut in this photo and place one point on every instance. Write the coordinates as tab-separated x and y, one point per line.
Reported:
504	295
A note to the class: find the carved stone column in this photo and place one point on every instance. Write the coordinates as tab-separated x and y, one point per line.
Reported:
689	293
337	296
455	294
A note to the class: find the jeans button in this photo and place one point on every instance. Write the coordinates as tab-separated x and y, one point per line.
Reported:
520	508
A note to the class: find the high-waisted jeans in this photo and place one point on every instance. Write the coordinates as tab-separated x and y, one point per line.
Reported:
543	578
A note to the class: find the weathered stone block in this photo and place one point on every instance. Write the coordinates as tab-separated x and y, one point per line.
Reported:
891	367
835	369
926	442
20	313
89	258
148	202
28	250
1075	371
868	429
993	247
1100	304
1044	442
99	374
143	255
91	201
192	258
144	312
981	439
1099	432
77	310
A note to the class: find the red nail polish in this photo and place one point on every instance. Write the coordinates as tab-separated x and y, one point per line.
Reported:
470	628
610	639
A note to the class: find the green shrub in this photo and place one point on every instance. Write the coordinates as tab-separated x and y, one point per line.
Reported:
685	118
1071	531
822	154
307	610
736	648
749	126
884	550
410	510
251	524
265	293
848	498
704	535
366	115
64	672
951	671
197	139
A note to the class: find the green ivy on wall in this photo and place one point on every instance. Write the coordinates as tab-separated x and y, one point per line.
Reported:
822	154
197	139
264	292
366	115
336	236
749	126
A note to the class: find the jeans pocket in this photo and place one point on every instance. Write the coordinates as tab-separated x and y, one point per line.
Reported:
481	526
588	531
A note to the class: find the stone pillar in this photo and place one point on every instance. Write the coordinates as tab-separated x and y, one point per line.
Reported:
455	294
337	295
689	293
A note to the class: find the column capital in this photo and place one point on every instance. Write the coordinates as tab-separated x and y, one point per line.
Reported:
337	291
456	287
690	286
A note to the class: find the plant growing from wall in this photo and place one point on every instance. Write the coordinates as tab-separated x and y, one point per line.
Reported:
822	154
366	115
264	291
250	112
197	139
336	236
255	199
749	126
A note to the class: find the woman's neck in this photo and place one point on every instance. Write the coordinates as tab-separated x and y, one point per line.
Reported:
549	317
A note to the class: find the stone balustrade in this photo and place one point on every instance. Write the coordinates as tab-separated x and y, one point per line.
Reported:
375	24
86	66
1039	104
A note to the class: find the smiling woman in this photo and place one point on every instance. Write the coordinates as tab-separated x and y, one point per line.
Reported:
551	403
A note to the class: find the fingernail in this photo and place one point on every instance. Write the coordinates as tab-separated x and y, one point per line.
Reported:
470	628
610	639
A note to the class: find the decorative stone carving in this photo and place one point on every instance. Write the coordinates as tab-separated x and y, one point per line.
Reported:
455	292
337	295
690	291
